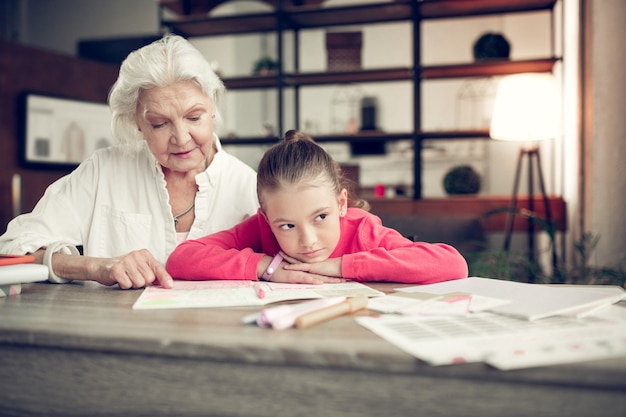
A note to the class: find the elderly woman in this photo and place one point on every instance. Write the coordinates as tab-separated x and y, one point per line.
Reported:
166	180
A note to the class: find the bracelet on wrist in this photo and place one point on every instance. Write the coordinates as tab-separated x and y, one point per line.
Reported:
273	266
47	259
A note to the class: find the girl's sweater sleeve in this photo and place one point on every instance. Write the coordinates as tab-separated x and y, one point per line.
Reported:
392	257
229	254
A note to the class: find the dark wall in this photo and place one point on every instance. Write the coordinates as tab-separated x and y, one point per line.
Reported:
25	69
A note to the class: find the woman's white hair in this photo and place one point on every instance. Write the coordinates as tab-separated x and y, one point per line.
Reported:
164	62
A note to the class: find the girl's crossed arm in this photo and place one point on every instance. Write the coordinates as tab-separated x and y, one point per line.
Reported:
236	254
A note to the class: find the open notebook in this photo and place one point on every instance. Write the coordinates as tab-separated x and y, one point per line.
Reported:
238	293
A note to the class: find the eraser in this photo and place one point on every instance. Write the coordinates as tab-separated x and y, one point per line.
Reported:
12	289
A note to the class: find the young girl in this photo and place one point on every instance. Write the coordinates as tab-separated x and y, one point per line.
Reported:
309	230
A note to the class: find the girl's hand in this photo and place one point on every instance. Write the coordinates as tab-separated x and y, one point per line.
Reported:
330	268
284	273
301	277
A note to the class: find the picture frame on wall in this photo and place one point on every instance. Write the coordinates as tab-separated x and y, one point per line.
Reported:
62	132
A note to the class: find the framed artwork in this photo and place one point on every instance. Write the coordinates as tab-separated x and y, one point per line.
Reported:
63	132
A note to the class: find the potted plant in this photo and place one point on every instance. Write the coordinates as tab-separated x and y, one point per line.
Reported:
265	66
461	179
491	46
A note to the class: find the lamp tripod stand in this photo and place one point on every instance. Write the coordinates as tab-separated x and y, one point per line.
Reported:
525	110
529	153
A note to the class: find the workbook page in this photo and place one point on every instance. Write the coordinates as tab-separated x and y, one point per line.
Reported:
237	293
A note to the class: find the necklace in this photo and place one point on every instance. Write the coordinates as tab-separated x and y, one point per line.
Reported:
187	210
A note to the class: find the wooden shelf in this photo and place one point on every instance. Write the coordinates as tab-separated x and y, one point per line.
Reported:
347	138
455	134
488	68
363	137
319	78
223	25
204	7
464	8
315	17
350	15
481	69
369	137
251	82
294	18
346	77
250	140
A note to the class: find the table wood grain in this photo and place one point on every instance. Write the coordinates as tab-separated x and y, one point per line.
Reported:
80	350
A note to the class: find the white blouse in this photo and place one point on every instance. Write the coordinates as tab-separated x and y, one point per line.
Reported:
116	202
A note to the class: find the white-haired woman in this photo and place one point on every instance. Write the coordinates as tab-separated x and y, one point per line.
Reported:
166	180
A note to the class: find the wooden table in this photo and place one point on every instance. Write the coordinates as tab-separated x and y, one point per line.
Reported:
80	350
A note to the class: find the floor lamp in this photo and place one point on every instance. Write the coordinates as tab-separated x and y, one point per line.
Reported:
526	111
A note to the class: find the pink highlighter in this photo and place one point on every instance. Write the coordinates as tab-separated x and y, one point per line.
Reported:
284	316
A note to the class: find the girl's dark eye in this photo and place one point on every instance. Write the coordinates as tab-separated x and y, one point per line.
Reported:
321	216
286	226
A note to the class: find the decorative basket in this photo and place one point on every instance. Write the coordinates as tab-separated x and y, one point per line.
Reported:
343	51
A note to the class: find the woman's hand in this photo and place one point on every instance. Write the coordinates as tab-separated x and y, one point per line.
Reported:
136	269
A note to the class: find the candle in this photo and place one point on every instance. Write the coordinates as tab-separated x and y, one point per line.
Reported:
16	194
379	190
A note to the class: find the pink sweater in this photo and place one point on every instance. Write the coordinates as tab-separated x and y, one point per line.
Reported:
369	251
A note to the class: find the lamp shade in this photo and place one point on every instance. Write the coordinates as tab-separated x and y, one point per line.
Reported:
525	108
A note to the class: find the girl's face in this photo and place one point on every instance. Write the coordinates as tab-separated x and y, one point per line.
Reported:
305	220
177	123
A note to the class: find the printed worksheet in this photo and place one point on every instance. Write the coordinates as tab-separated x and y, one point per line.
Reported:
504	342
237	293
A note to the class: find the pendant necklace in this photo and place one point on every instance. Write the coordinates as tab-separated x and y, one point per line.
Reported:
187	210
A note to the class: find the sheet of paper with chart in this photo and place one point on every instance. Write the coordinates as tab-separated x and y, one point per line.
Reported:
237	293
502	341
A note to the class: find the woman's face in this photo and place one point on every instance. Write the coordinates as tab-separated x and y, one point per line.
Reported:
177	123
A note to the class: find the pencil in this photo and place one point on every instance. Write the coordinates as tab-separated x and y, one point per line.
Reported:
349	306
16	259
259	291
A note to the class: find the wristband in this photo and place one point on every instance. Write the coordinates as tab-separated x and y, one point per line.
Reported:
47	259
267	275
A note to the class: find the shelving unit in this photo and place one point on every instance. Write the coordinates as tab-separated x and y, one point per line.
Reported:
286	17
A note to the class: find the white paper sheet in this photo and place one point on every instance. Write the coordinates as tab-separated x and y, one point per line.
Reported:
529	301
504	342
454	304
